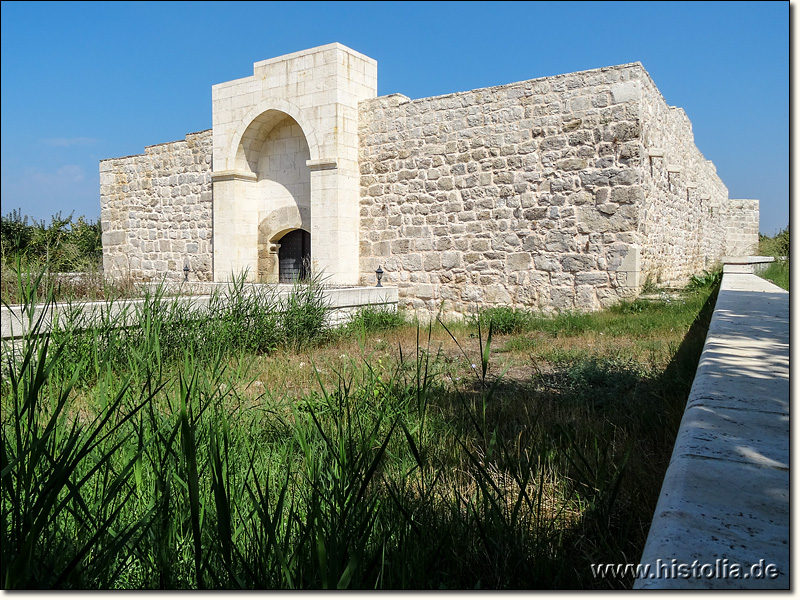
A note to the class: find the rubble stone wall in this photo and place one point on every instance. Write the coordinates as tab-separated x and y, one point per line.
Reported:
156	211
684	212
524	195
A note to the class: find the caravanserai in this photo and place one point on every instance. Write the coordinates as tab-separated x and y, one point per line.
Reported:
560	193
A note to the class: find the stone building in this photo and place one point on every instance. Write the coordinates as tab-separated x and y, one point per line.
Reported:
560	193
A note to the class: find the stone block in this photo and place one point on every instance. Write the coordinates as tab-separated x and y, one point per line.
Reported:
572	164
586	298
592	178
624	177
562	298
557	241
451	260
579	198
520	261
592	278
627	194
423	291
114	238
497	294
575	263
548	263
479	245
432	261
626	91
400	246
472	293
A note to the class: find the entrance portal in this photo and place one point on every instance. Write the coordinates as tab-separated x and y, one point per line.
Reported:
294	256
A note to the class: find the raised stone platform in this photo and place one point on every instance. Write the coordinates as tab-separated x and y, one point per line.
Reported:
725	497
342	302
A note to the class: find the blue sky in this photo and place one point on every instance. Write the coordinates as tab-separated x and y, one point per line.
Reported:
87	81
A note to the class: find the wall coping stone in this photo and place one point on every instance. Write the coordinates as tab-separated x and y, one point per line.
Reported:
746	260
745	264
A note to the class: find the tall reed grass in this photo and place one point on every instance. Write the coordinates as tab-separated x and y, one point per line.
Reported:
132	458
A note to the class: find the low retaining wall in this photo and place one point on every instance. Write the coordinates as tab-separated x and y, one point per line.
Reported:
725	497
342	301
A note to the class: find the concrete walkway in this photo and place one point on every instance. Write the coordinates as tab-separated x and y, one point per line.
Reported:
725	498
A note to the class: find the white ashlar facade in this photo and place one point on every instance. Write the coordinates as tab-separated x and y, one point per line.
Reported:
285	157
559	193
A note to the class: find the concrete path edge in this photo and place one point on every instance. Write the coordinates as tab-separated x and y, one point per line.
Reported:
722	518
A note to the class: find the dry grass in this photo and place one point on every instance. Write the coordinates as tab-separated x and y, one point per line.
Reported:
520	358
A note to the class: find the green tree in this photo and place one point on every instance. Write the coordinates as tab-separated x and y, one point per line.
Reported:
777	246
64	244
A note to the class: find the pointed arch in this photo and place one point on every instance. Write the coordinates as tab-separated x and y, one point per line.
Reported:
261	117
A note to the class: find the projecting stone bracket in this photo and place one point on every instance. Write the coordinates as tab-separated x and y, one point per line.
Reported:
233	176
322	164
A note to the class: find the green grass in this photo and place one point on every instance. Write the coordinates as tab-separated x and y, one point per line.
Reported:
779	247
778	273
638	319
175	454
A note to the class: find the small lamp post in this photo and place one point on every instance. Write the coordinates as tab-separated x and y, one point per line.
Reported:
379	274
186	272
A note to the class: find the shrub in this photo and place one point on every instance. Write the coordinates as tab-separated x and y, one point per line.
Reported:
304	313
375	318
777	246
505	320
778	273
708	279
64	244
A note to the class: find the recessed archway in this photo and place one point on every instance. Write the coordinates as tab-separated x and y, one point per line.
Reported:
274	149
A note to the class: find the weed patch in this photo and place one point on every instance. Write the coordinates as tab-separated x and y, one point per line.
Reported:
369	319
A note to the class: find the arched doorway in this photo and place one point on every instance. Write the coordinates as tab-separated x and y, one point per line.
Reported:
294	256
